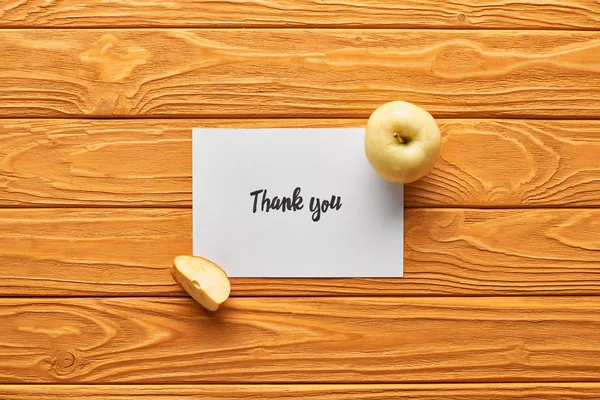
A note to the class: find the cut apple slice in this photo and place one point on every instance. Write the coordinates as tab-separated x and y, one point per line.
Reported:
202	279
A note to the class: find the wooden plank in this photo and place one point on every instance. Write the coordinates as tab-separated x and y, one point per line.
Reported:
549	14
546	391
301	340
108	252
92	162
298	72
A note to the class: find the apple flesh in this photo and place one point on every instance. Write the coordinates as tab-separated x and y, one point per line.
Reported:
202	279
402	141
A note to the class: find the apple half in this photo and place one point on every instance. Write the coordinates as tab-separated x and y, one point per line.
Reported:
402	141
202	279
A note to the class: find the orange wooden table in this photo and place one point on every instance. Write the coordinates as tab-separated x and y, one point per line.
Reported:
501	295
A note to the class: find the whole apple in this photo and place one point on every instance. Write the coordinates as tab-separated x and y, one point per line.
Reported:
402	141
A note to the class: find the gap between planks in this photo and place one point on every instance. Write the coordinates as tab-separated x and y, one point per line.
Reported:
188	207
316	391
322	384
356	296
233	28
211	117
275	27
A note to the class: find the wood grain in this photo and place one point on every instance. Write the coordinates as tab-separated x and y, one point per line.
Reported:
300	340
108	252
91	251
149	162
546	391
297	72
548	14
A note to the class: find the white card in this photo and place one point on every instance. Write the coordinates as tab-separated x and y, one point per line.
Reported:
356	230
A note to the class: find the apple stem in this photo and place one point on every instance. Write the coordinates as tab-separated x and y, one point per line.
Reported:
399	139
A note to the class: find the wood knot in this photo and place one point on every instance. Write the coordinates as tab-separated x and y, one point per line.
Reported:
116	62
459	59
260	353
462	17
65	360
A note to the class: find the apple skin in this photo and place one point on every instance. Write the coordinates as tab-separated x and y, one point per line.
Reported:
410	154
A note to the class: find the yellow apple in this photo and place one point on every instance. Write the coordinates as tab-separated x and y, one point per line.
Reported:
402	141
202	279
